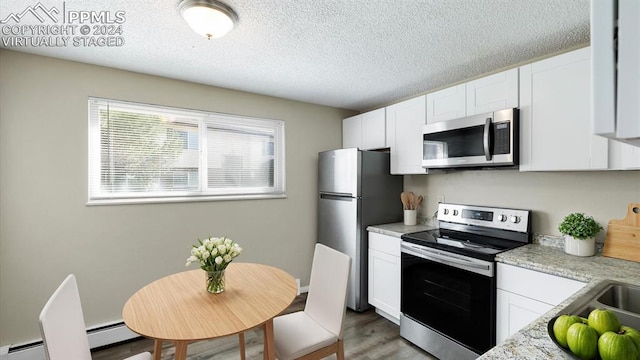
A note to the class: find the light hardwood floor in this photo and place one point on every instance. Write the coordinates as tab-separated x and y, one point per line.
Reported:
367	336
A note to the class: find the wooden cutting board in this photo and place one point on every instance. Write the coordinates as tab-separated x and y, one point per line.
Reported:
623	236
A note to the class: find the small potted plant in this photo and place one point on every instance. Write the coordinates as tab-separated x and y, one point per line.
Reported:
579	233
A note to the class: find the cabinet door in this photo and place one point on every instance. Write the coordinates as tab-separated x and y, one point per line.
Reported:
515	312
494	92
384	282
446	104
352	132
555	115
623	156
404	130
374	130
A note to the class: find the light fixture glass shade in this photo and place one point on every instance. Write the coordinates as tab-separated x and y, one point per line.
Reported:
208	18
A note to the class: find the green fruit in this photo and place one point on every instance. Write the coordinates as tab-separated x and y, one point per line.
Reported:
613	346
633	334
561	325
603	320
583	341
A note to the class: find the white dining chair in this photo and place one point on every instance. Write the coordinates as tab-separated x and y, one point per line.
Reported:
62	325
316	332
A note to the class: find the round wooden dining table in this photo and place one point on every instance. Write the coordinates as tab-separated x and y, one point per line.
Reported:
178	308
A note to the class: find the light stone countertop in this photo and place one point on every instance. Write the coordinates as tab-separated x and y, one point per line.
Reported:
398	229
533	342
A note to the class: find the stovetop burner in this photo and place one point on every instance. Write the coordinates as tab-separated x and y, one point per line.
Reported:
479	232
479	250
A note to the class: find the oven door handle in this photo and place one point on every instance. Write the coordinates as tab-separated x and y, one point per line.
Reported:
486	138
442	258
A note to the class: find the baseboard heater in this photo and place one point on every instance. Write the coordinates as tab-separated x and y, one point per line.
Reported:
99	336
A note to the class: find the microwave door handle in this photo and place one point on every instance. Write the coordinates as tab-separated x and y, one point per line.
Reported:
486	139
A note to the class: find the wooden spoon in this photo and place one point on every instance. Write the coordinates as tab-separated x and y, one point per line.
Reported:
405	200
420	199
412	201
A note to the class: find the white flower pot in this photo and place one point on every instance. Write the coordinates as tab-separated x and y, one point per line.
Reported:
573	246
410	217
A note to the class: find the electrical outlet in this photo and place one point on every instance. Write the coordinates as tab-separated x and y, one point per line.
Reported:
298	283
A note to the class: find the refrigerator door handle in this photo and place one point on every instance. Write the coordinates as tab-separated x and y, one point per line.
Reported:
336	196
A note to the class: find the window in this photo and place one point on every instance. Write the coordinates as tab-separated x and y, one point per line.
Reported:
141	153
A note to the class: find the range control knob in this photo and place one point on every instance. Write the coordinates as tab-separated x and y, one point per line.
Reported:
455	212
445	211
515	219
502	217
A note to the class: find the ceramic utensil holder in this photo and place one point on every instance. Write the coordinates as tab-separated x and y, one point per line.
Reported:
410	217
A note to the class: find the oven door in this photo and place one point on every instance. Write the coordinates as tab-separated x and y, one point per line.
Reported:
450	294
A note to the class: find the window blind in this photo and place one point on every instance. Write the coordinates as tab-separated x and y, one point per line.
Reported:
139	151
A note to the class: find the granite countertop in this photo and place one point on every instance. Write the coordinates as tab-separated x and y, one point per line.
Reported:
533	342
398	229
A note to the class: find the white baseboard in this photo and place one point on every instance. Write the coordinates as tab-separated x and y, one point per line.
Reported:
99	336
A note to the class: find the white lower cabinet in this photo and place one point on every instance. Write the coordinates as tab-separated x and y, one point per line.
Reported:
384	275
523	295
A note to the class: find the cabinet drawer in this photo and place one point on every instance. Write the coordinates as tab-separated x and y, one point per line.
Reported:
539	286
384	243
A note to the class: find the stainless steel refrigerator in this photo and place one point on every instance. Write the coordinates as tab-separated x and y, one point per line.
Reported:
355	190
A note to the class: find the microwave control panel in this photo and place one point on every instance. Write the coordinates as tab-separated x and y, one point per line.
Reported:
502	138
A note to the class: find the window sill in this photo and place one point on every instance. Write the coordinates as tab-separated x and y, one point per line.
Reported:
181	199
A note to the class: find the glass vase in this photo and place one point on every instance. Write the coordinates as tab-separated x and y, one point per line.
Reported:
215	281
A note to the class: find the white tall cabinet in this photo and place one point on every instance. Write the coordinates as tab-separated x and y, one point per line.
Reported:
524	295
404	135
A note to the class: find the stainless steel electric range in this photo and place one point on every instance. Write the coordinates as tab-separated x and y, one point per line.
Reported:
448	286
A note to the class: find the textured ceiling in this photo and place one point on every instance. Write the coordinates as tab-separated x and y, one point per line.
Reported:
353	54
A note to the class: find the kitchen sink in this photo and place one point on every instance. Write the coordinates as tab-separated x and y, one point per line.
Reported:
624	297
621	298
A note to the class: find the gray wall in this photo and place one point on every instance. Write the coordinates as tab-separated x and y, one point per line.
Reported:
551	195
47	231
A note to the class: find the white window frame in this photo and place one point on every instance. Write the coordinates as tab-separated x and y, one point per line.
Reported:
206	120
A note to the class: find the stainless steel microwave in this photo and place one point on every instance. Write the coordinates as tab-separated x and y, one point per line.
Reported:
485	140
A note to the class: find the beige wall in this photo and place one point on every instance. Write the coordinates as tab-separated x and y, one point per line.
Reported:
47	231
551	195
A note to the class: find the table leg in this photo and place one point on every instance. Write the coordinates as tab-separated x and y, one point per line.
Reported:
269	347
157	349
181	350
242	347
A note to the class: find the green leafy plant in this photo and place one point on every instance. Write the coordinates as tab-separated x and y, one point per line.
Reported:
579	226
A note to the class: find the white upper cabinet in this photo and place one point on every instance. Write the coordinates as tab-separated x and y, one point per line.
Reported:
352	132
555	118
490	93
404	135
365	131
615	25
494	92
374	129
446	104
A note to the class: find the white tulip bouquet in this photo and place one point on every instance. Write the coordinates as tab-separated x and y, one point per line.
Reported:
214	254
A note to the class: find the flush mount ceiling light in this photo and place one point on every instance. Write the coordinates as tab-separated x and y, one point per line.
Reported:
209	18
